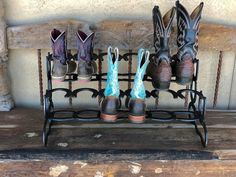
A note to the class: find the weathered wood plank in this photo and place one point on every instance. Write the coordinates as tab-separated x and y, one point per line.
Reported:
114	152
161	168
33	119
225	154
124	34
38	36
22	128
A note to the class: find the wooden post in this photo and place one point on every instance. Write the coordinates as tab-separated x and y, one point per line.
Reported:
6	101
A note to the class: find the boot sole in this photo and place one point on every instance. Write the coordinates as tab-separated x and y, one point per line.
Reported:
84	78
58	79
136	119
108	117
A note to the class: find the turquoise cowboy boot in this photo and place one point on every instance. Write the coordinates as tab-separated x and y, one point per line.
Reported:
111	102
137	106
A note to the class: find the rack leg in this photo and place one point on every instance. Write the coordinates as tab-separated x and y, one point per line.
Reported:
204	138
46	131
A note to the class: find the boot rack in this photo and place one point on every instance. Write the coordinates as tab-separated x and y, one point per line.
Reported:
194	114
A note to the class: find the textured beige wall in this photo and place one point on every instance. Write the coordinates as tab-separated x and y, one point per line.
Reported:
23	63
33	11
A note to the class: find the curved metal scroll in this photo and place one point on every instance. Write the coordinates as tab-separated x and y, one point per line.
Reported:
194	114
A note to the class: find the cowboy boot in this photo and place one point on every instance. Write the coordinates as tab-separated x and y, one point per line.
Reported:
187	41
111	103
61	65
86	65
137	106
159	68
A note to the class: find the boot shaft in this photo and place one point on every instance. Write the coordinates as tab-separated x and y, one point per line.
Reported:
162	29
85	46
112	84
138	90
159	68
188	29
58	44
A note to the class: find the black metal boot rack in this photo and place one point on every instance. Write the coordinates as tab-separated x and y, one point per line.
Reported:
194	114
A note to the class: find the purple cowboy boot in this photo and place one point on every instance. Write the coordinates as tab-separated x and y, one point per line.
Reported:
61	65
86	64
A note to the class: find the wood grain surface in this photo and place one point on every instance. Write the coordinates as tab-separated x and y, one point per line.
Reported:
125	34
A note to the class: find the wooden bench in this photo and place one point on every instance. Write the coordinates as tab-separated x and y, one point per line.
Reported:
115	150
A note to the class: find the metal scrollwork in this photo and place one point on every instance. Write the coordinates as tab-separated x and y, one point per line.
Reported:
195	112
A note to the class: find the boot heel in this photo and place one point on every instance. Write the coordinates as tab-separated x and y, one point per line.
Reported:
163	85
184	80
58	79
108	117
136	119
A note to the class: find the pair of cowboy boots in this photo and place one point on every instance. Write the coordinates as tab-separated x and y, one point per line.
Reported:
161	68
62	65
111	103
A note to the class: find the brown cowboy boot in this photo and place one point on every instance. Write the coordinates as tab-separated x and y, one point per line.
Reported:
187	41
86	65
61	65
159	69
137	105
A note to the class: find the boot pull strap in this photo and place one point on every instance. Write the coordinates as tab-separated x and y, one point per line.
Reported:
196	15
168	20
109	50
140	54
157	22
109	55
197	11
116	51
142	64
147	54
162	25
190	21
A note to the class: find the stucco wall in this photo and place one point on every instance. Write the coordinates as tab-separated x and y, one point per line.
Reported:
34	11
23	63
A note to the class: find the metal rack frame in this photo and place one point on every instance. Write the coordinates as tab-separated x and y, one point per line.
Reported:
195	112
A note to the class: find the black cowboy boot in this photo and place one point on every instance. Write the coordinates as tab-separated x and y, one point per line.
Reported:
61	65
187	41
86	65
159	68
